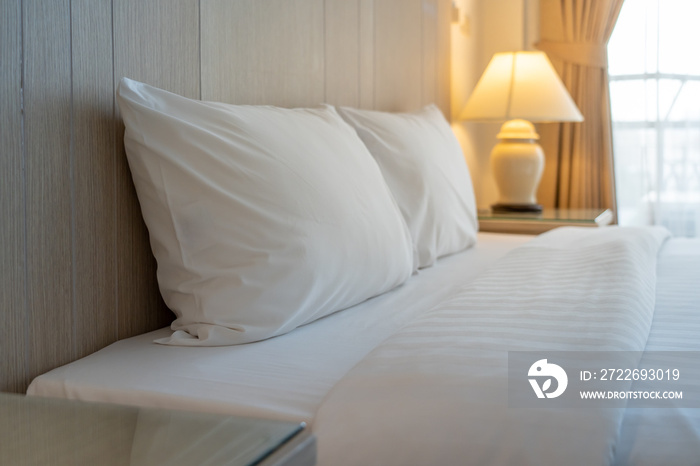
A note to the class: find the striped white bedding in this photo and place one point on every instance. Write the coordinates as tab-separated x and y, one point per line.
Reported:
436	391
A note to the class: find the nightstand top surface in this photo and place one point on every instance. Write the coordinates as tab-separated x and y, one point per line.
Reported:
36	430
539	222
566	216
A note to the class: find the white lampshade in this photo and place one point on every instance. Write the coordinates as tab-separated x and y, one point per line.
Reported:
520	85
519	88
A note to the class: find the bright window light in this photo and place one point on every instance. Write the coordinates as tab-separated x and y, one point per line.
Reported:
655	101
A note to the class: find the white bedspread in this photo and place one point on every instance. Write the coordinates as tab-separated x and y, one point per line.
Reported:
436	391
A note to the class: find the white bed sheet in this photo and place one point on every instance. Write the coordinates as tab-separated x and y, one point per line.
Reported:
285	377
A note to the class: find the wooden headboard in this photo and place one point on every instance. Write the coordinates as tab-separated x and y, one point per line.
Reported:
77	271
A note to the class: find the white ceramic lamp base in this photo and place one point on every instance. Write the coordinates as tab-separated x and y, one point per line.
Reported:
517	162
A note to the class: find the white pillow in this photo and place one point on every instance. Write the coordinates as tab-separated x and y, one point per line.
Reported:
261	219
425	169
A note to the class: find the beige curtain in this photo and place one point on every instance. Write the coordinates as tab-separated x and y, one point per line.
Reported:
579	168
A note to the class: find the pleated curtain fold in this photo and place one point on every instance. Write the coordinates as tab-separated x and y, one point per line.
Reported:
579	169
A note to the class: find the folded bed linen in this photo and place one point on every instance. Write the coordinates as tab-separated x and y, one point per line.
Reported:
436	392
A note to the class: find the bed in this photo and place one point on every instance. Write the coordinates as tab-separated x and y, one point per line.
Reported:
368	376
378	315
405	357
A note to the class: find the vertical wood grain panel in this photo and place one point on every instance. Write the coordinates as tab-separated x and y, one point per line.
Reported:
444	66
398	68
263	51
93	175
430	51
366	54
157	42
342	52
12	243
47	125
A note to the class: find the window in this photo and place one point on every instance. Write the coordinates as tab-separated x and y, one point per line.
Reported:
655	98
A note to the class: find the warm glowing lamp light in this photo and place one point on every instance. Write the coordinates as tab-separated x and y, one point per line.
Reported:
519	87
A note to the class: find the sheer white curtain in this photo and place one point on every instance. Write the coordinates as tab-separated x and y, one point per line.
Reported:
654	68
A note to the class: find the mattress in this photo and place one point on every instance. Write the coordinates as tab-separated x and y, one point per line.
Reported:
283	378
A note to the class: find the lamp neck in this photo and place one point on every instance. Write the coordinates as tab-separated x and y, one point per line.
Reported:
518	130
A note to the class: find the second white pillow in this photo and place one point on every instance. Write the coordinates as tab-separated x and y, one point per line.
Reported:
425	169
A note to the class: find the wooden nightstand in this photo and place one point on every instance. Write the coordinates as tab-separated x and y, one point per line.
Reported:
535	223
35	430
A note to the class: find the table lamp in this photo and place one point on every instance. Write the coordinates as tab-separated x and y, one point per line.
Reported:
521	88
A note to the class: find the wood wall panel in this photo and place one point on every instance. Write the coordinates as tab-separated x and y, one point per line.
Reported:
429	65
47	132
436	54
12	232
157	42
366	79
398	52
444	66
342	52
263	51
93	175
